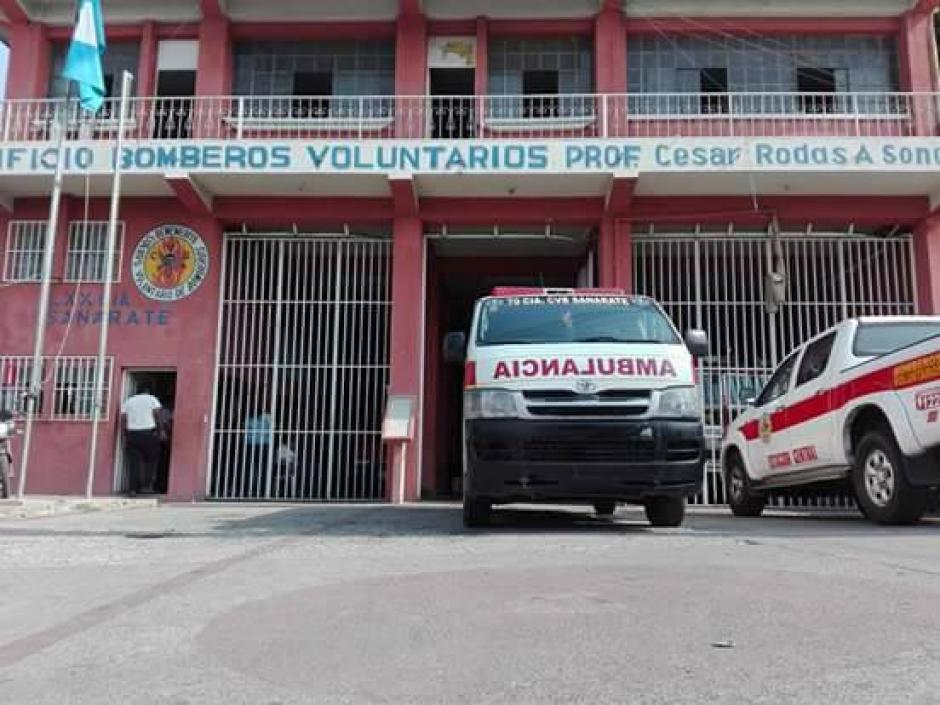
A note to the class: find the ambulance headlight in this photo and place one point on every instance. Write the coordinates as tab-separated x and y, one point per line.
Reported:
489	404
680	402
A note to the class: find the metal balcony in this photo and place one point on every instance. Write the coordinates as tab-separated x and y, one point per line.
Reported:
543	117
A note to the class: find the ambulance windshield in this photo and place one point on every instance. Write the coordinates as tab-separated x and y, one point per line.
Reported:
528	320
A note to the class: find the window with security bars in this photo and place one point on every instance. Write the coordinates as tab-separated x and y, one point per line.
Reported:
73	396
540	77
15	374
781	74
336	79
87	256
26	240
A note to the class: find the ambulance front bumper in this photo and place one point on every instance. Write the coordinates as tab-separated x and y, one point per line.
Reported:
521	460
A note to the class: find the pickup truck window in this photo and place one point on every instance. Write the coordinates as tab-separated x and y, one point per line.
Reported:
873	339
536	320
779	383
815	360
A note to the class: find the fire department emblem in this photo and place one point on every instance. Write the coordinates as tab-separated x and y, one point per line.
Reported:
765	428
169	263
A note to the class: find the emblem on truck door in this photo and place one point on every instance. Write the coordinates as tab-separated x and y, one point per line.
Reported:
765	428
585	386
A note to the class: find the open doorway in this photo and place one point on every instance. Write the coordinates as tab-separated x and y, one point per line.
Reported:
460	271
174	105
175	87
452	111
162	385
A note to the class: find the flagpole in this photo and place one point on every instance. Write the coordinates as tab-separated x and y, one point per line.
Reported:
98	399
36	376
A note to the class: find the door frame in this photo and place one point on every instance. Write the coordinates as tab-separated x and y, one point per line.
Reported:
117	474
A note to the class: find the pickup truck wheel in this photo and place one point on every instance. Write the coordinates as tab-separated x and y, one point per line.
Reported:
605	509
665	511
741	498
882	490
476	512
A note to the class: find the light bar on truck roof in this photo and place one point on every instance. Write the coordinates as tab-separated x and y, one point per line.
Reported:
547	291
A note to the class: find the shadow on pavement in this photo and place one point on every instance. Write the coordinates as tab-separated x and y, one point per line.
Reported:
238	521
390	521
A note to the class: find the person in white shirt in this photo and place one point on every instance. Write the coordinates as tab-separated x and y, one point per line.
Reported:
141	439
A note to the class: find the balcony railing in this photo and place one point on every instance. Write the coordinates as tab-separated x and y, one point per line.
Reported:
485	117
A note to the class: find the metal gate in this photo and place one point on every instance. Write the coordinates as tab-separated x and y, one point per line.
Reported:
303	369
717	282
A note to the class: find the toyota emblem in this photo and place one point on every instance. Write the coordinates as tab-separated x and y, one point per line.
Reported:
585	386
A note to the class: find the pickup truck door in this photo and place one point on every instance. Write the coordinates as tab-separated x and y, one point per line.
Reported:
809	435
764	451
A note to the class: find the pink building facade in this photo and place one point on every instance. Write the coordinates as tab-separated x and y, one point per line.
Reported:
314	195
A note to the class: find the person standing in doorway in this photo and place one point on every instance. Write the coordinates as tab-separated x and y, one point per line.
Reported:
141	439
259	436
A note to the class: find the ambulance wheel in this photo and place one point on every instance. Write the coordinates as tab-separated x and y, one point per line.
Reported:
476	512
881	488
742	500
605	509
665	511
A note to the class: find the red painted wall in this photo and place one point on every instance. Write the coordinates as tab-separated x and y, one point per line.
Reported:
146	78
186	343
30	55
411	61
407	333
927	251
915	50
215	63
615	253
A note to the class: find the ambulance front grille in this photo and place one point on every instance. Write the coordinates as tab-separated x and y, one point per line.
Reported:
607	403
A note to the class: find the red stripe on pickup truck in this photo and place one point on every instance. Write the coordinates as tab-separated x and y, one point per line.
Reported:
900	376
750	430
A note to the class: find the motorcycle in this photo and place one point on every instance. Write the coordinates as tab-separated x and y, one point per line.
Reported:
7	431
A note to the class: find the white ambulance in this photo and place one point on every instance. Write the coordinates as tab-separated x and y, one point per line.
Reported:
858	406
578	396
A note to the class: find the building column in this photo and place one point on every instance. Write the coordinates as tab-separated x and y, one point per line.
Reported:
29	63
481	72
147	63
610	66
406	344
433	373
213	77
214	68
918	66
610	50
411	68
615	254
927	264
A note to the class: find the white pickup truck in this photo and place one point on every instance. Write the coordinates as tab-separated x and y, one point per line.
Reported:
858	404
578	396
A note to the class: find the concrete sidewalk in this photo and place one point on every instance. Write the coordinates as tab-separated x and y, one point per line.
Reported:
50	505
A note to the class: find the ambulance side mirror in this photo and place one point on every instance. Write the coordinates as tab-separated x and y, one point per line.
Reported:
455	348
697	342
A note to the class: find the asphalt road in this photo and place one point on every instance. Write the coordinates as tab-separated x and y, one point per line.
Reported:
239	604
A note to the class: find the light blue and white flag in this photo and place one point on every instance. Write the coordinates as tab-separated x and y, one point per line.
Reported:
83	63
